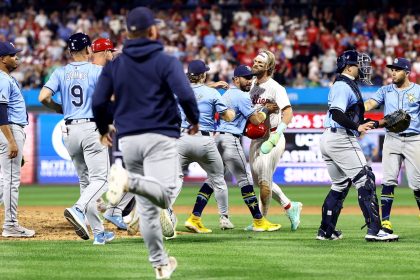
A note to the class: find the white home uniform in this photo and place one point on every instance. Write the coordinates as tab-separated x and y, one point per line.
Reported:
264	165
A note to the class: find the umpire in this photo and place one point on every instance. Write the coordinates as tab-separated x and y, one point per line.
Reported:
144	80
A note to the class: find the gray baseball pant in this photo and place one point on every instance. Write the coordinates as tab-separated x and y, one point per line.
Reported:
230	148
119	208
10	169
344	158
399	149
203	150
91	160
152	162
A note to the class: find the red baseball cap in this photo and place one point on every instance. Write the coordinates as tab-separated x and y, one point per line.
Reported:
102	44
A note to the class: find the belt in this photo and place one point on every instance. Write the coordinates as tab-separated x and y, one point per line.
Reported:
21	125
200	132
408	134
236	135
78	121
348	131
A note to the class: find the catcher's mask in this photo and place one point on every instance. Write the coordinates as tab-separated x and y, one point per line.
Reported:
365	69
361	60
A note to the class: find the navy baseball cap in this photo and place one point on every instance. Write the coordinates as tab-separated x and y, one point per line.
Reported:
401	64
140	18
7	48
197	67
243	71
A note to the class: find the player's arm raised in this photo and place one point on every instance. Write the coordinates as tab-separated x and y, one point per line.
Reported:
371	104
228	115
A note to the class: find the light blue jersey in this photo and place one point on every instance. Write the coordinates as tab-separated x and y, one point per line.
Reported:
209	102
340	97
76	83
407	99
11	95
240	102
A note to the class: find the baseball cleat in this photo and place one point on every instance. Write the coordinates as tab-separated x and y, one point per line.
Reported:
116	220
263	224
118	184
165	271
17	232
381	236
337	234
103	237
225	223
194	224
168	222
387	226
77	219
293	213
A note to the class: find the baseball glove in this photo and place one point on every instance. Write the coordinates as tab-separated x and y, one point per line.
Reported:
397	121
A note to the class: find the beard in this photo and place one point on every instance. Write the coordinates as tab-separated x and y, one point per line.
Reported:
245	88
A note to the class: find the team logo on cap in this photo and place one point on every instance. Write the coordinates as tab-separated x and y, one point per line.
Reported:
11	44
248	68
396	61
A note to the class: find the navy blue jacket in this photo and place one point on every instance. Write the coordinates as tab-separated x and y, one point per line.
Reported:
144	80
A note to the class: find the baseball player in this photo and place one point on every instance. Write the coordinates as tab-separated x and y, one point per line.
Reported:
265	152
13	119
229	146
341	151
144	80
201	148
402	147
103	52
76	82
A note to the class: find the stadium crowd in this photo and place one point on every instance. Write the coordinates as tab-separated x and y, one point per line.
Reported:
306	46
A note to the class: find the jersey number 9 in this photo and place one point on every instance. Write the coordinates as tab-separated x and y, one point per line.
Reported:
77	93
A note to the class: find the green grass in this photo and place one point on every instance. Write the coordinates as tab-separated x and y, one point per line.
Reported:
223	255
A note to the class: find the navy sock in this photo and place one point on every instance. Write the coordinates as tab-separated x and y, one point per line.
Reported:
251	201
417	197
387	197
203	197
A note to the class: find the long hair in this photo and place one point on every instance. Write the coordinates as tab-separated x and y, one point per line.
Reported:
194	79
271	61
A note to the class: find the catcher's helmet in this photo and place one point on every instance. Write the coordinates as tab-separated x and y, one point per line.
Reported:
347	58
78	42
253	131
361	60
102	44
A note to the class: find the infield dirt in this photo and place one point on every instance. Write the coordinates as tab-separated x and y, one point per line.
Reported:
50	224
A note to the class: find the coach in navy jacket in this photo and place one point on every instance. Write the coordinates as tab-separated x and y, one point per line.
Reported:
144	80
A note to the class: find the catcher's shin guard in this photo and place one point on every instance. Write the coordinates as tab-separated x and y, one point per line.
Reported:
368	203
331	210
340	203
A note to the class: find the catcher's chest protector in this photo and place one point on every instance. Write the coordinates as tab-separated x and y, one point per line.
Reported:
355	112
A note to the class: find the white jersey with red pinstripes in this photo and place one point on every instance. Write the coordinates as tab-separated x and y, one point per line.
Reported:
269	91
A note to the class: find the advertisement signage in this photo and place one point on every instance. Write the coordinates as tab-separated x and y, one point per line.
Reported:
28	170
54	163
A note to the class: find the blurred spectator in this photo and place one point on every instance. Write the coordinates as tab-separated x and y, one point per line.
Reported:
305	43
